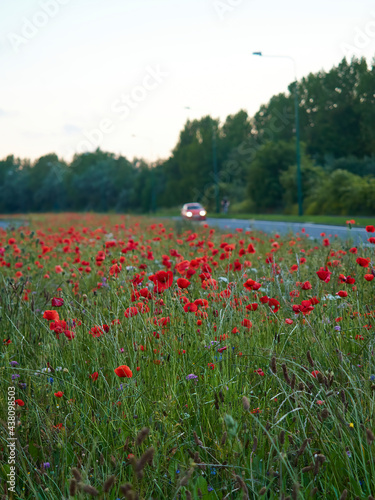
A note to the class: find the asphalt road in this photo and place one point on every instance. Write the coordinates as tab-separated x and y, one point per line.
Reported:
357	235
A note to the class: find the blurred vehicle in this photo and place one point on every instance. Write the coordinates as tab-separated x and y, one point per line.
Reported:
193	211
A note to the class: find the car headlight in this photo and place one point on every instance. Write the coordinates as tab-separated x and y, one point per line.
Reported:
202	213
189	214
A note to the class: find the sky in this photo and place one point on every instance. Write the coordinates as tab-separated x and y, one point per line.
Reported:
121	74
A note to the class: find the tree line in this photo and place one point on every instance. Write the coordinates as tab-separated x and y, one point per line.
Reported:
256	160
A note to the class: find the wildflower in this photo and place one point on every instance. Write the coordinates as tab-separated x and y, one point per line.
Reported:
13	363
51	315
94	376
130	312
123	371
96	331
363	262
324	274
183	283
19	402
191	376
259	371
57	302
59	394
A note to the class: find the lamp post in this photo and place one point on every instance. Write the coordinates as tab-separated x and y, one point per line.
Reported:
153	191
296	109
214	164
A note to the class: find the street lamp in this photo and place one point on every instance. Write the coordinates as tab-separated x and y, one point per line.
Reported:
214	164
298	149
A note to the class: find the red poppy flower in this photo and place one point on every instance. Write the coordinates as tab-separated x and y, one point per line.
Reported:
94	376
363	262
324	274
162	280
183	283
69	334
57	302
222	349
369	277
51	315
252	307
115	270
251	249
59	394
315	373
246	323
96	331
19	402
370	229
130	312
190	307
251	285
274	305
123	371
342	293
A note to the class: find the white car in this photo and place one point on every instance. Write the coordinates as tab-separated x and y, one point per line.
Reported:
193	211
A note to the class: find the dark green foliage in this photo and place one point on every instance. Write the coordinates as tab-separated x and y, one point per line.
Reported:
256	160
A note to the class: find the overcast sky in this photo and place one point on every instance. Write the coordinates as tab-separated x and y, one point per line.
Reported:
119	73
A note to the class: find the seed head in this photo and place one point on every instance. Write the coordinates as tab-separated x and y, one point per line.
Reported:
108	485
224	438
308	468
285	373
90	490
273	366
370	436
76	474
342	396
245	403
282	437
72	487
309	358
324	414
143	433
295	491
197	440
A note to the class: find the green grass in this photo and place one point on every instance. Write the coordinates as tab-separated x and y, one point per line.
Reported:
231	432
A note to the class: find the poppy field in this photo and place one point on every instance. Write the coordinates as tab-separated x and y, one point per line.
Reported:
151	359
